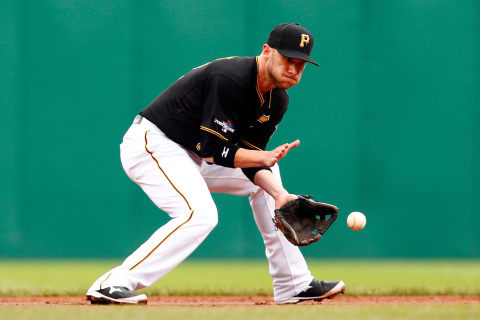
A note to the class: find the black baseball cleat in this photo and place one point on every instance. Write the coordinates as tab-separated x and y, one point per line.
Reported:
116	295
317	291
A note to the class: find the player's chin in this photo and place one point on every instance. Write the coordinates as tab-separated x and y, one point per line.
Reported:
288	83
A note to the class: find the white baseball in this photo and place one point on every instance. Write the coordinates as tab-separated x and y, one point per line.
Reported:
356	221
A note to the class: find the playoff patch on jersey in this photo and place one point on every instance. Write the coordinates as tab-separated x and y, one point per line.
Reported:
226	126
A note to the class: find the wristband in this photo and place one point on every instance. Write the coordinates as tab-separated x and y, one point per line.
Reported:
251	172
224	154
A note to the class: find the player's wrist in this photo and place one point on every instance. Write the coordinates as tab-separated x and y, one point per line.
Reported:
283	197
224	155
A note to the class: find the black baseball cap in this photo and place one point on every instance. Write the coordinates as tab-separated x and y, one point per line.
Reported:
292	41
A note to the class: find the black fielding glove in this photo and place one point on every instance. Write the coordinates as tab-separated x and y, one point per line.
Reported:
303	220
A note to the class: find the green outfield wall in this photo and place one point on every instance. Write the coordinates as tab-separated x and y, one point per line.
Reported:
389	122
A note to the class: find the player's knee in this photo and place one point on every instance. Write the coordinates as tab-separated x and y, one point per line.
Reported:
207	217
213	220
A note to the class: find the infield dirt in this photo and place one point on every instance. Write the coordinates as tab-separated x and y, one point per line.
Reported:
244	301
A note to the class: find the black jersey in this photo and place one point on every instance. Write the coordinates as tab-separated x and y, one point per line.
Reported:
216	103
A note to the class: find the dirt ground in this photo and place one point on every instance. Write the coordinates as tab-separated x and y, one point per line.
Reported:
248	301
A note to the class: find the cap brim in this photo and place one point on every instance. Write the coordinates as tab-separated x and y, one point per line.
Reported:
296	55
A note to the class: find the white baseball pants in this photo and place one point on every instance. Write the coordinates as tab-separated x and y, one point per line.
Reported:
179	183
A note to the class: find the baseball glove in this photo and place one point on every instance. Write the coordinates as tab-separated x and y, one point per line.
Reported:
304	221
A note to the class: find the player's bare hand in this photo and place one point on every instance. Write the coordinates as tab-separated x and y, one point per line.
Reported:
271	157
290	146
280	152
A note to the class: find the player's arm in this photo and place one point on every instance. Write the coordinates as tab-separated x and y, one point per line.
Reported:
245	158
265	180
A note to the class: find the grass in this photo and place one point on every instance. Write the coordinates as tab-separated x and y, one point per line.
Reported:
442	312
370	277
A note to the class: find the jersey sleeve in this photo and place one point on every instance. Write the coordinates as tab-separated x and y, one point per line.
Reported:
218	119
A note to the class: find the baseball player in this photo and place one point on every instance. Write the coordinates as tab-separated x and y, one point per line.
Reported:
206	133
